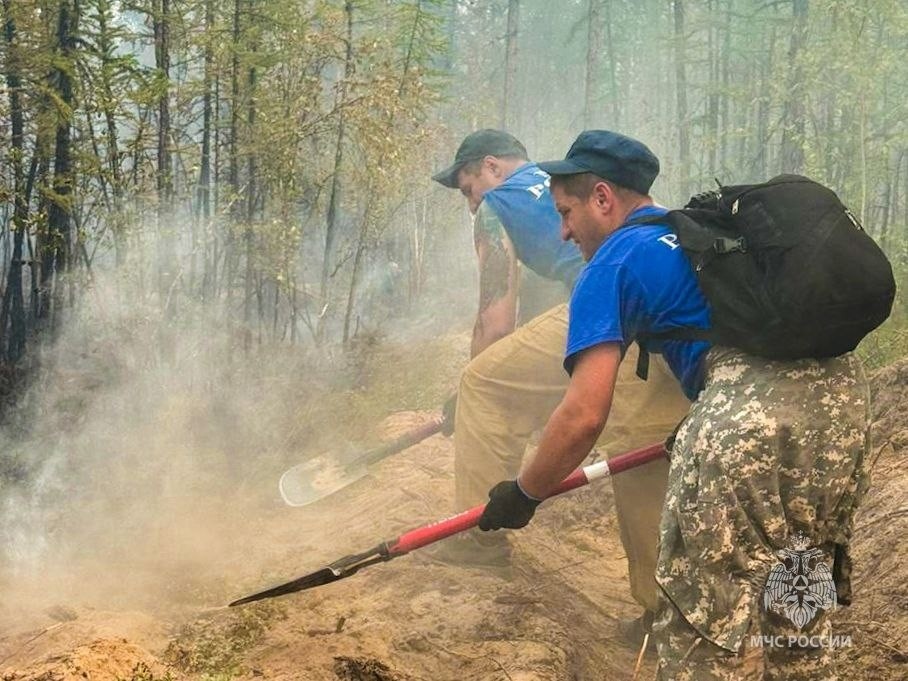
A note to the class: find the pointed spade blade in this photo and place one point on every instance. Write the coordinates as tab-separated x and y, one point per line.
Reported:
313	579
339	569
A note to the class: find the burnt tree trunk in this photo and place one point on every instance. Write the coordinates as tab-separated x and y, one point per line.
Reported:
792	160
681	85
166	234
251	204
233	173
203	190
593	50
12	315
510	64
334	198
55	248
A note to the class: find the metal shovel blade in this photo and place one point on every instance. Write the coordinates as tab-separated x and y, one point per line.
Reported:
317	478
344	567
317	578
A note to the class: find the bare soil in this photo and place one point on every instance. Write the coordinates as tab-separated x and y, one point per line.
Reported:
411	619
878	619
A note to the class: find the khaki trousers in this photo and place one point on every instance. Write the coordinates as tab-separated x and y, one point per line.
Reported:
509	391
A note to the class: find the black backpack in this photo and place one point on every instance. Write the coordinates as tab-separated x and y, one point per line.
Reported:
787	270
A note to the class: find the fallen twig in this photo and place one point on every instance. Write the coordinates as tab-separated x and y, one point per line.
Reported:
886	516
465	656
33	638
903	655
640	657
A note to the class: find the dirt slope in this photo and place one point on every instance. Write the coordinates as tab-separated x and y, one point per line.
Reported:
878	620
411	619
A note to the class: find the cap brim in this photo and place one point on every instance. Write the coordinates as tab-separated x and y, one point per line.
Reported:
448	176
562	168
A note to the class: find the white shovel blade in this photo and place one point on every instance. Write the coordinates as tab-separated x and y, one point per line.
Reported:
315	479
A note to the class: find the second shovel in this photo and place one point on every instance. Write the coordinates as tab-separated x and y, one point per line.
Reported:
317	478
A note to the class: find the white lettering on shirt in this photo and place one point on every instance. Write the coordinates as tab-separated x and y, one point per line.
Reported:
537	190
670	240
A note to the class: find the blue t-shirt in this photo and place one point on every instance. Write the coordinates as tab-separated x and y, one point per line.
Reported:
524	205
640	281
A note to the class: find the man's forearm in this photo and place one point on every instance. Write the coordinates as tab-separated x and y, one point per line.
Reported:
566	441
493	324
568	437
499	282
576	423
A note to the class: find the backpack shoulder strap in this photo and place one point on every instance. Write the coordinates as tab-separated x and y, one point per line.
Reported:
688	333
646	220
642	361
681	333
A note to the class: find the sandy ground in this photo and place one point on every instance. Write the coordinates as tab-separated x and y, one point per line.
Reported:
411	619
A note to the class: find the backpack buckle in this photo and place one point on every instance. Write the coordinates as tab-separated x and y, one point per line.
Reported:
707	200
853	219
724	245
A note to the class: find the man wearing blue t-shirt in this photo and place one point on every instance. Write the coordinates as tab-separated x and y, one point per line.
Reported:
515	378
769	459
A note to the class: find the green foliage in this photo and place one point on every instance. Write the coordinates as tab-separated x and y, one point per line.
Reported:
890	341
270	74
215	647
885	345
143	673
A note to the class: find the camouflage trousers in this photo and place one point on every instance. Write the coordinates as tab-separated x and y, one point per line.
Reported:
770	451
774	649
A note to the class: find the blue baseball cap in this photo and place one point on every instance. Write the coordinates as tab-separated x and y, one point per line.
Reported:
611	156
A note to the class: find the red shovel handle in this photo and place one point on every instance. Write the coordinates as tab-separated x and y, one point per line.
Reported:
428	534
420	434
638	457
405	441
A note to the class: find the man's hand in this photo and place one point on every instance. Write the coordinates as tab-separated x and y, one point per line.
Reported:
508	507
448	410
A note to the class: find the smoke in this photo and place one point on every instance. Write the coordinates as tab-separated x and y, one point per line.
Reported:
139	468
142	451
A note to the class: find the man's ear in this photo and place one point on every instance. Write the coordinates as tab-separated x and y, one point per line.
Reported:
602	195
492	164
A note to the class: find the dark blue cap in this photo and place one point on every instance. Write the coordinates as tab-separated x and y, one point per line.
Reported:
478	145
611	156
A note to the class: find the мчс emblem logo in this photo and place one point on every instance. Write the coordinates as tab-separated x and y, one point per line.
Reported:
800	584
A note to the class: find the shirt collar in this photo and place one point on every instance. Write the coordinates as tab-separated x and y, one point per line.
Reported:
645	211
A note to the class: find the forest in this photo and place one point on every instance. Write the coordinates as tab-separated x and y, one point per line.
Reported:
270	159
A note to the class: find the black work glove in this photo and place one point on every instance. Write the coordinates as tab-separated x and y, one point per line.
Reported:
508	507
447	412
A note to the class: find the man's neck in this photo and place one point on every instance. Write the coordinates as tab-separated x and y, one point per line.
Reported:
626	209
641	202
510	166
